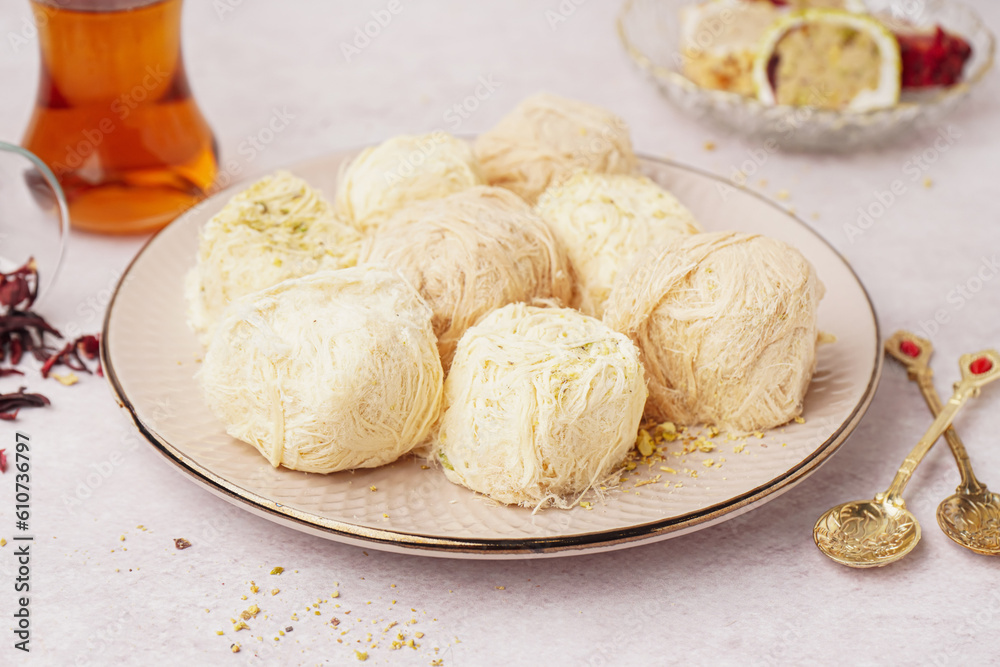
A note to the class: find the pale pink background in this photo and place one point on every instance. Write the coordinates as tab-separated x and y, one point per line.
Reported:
752	591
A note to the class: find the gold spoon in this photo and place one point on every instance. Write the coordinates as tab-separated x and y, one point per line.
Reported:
872	533
970	517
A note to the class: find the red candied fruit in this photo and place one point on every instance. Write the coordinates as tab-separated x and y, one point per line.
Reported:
932	59
909	348
980	366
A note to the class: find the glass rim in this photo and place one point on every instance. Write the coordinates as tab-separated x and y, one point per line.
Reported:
61	204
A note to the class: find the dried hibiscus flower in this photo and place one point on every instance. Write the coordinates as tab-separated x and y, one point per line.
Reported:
10	404
20	329
70	355
19	288
24	331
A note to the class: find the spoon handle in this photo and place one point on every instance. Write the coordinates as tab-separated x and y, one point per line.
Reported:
915	353
977	371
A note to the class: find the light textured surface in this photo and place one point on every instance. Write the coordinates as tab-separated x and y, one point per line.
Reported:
754	590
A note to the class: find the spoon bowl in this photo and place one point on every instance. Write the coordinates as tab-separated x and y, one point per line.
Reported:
873	533
972	520
867	533
970	517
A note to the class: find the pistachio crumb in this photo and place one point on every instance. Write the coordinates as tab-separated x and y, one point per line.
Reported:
68	379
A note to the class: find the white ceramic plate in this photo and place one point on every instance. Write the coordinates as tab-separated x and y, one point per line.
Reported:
150	356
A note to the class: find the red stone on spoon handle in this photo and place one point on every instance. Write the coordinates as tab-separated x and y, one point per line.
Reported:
981	365
981	368
911	351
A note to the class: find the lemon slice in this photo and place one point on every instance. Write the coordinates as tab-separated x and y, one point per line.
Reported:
829	59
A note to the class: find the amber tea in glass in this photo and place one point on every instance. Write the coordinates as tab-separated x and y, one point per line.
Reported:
114	117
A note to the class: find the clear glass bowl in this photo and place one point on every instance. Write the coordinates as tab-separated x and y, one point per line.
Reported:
650	32
34	217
